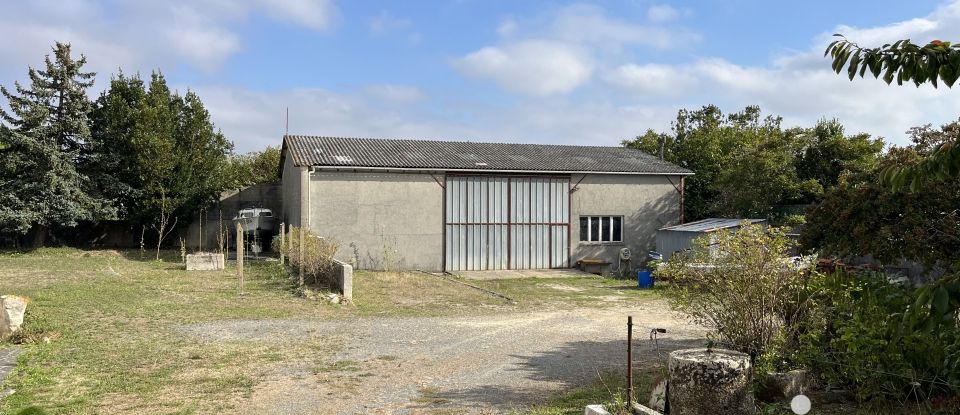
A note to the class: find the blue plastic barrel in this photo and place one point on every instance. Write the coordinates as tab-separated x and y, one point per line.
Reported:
645	279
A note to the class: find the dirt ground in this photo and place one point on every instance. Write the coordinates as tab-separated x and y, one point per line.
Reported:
485	364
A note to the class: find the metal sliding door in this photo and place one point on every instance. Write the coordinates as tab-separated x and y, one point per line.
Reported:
493	223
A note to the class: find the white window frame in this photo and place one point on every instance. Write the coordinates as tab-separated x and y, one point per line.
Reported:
600	218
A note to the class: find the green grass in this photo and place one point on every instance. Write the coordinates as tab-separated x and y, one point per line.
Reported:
578	291
114	323
608	390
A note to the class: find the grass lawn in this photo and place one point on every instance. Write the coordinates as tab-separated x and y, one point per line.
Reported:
114	322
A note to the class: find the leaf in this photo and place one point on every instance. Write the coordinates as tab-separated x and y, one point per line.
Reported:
854	63
940	302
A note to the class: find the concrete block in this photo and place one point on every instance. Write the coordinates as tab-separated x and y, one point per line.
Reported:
345	281
595	410
710	381
638	409
205	262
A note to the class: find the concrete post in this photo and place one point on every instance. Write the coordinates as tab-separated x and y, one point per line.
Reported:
705	381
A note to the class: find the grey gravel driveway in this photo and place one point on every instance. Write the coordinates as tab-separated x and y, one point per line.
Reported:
474	364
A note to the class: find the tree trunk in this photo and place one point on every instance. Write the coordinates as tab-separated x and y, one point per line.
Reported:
38	235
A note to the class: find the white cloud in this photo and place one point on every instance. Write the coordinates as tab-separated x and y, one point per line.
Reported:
590	24
558	52
315	14
192	36
662	13
507	28
141	36
385	22
534	67
652	79
395	93
255	119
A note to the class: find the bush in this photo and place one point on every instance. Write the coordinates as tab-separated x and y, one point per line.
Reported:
739	284
318	254
854	337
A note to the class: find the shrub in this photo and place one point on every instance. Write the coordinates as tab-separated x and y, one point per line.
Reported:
740	284
854	337
318	254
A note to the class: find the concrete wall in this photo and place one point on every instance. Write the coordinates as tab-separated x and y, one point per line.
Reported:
290	184
380	220
266	195
647	203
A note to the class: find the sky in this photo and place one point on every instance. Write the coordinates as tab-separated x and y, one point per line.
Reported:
588	73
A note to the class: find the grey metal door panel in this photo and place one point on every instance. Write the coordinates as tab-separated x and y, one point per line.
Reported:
496	223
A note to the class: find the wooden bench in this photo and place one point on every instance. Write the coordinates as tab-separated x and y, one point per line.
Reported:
593	265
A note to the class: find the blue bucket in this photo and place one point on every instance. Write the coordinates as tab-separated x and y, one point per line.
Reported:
645	279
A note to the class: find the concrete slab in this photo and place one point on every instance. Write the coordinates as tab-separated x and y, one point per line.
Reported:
523	273
8	360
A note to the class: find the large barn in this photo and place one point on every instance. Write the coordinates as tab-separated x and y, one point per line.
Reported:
453	206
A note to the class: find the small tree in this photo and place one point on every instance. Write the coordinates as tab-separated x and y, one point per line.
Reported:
163	226
740	284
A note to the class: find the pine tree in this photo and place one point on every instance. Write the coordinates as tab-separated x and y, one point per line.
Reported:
45	132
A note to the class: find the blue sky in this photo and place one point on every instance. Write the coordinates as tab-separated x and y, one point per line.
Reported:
531	71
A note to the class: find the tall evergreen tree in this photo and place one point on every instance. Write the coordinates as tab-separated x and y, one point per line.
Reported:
46	131
112	159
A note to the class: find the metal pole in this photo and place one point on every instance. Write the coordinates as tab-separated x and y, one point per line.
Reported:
629	360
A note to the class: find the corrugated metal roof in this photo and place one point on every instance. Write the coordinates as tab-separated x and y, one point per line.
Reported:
710	225
463	155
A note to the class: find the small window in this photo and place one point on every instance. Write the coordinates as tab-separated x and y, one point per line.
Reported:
266	213
601	228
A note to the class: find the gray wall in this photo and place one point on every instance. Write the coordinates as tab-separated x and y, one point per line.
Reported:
260	195
290	182
646	202
380	220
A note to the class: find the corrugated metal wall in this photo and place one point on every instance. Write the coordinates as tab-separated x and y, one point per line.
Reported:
496	223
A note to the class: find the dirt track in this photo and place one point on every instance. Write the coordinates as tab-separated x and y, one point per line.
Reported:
483	364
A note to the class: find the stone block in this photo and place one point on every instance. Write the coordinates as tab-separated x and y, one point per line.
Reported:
783	386
205	262
12	309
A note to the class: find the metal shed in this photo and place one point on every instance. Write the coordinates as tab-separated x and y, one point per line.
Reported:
680	237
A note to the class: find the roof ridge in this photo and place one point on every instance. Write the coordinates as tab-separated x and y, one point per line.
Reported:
430	140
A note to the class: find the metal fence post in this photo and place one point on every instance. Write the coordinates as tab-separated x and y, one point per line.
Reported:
629	360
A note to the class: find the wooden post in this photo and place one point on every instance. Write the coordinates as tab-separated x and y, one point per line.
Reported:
300	258
240	257
282	228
